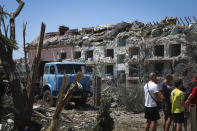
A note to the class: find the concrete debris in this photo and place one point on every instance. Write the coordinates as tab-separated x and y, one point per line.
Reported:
114	105
10	121
113	47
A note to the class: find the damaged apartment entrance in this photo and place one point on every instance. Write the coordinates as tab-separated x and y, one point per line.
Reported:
158	68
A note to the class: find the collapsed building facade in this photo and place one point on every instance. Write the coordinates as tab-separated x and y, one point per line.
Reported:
130	48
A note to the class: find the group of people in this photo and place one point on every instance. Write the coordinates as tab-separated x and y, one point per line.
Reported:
173	99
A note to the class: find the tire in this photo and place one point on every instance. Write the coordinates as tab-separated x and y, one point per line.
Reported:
48	98
81	102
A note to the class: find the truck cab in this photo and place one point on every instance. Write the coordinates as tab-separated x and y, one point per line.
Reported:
53	77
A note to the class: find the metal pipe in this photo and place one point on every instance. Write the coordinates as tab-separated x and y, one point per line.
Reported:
193	117
195	19
186	20
189	19
182	21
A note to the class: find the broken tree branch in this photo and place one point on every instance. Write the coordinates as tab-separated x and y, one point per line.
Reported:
41	115
36	61
24	47
13	15
5	29
18	10
64	101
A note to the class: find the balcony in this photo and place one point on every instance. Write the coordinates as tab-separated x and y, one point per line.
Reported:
134	59
107	60
89	61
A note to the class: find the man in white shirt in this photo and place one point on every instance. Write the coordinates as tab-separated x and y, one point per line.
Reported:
152	94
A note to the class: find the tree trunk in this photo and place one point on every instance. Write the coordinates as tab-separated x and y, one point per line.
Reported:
62	101
22	99
24	48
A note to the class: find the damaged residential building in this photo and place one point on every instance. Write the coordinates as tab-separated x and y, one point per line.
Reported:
131	48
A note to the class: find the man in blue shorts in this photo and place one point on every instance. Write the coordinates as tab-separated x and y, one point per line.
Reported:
166	89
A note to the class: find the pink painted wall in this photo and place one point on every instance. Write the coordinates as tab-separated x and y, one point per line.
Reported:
51	54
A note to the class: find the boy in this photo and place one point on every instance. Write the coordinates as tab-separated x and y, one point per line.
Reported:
178	105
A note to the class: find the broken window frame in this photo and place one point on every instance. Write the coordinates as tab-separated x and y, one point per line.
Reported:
158	49
107	69
172	52
133	51
109	53
121	58
122	41
63	55
75	54
133	70
89	55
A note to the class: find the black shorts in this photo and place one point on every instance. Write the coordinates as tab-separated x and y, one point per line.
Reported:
178	117
152	113
167	112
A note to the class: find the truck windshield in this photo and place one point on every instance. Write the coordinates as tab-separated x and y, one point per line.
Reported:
71	68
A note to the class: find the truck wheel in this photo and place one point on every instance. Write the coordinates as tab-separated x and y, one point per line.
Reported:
48	98
80	102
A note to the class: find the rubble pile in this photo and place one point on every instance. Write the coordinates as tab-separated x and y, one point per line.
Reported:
106	33
78	119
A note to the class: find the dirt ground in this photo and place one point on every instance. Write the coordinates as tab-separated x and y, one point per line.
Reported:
83	118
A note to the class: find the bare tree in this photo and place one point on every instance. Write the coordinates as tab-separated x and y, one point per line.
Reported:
13	15
22	99
3	16
24	48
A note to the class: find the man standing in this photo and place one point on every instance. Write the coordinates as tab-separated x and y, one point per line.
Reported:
166	90
192	99
152	94
178	105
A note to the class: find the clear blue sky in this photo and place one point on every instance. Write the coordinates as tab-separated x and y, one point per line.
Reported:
88	13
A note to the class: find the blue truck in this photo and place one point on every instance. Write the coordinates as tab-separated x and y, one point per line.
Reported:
53	76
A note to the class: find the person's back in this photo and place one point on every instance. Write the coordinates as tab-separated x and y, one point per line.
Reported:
151	92
149	89
176	97
194	99
178	105
166	89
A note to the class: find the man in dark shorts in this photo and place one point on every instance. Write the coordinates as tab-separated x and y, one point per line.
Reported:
152	93
192	99
166	90
178	104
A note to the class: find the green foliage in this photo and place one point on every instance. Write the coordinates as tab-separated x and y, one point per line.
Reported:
10	43
104	120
